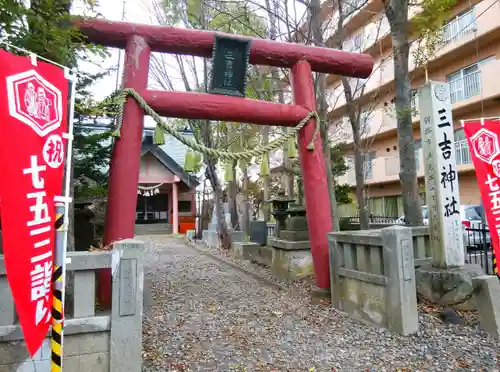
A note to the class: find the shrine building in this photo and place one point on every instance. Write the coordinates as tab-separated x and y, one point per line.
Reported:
166	200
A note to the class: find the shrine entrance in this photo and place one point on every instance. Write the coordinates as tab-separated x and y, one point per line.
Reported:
140	40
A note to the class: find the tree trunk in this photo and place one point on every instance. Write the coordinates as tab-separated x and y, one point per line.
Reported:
232	191
246	205
397	14
300	191
289	178
322	107
232	188
201	211
359	168
265	134
353	113
222	230
266	179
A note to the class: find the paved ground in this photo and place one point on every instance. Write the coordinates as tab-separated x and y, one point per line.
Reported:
201	315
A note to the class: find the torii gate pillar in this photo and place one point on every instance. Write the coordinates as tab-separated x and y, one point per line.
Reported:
312	166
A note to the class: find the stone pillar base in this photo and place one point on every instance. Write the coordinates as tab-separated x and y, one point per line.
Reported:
488	303
211	238
285	264
448	287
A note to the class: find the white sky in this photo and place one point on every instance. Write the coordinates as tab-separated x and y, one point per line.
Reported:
135	11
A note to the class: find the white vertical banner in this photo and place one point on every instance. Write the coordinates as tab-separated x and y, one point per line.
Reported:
441	177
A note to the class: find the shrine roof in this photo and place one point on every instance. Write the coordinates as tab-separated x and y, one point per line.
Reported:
155	150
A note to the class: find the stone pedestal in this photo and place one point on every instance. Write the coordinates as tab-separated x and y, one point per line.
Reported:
292	256
289	255
448	287
290	260
293	260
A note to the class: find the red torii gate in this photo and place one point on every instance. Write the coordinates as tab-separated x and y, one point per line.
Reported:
140	40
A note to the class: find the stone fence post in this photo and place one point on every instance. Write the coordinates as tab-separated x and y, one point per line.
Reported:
373	277
399	270
127	306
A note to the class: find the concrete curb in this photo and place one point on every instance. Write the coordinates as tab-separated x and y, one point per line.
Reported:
207	253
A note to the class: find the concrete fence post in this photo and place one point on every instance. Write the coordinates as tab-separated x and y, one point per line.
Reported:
335	256
127	305
488	303
399	267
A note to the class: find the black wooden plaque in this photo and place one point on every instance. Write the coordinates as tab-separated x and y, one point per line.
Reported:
229	66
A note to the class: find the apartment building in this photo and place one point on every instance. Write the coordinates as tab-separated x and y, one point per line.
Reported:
468	58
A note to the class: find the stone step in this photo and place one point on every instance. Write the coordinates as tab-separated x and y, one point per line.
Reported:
153	229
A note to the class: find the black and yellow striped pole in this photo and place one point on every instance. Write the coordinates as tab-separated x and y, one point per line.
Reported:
495	267
57	291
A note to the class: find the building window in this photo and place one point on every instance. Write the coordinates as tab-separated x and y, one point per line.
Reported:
465	83
351	173
376	206
462	153
391	206
458	27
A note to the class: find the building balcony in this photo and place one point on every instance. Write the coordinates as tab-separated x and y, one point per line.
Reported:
468	90
466	87
366	35
455	34
464	29
386	169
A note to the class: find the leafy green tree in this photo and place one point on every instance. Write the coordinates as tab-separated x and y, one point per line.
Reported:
44	28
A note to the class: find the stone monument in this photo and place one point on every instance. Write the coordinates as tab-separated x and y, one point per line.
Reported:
210	236
289	253
447	280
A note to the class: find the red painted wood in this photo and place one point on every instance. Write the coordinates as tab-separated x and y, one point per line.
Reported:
188	105
313	169
125	161
200	43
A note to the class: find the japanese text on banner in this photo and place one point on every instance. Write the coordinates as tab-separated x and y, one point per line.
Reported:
482	137
34	118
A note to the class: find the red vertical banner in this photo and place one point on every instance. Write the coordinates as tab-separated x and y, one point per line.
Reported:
33	118
482	137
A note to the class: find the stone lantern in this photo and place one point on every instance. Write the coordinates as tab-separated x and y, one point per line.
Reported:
296	225
280	206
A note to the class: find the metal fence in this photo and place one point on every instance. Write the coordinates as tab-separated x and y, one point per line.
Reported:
271	228
478	247
462	152
371	219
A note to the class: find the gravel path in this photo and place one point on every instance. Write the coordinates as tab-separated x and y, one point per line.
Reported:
202	315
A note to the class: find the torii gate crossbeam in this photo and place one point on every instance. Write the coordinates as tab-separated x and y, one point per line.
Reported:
140	40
